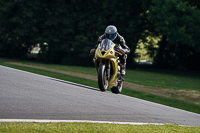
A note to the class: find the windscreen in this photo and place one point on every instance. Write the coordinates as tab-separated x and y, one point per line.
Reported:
106	44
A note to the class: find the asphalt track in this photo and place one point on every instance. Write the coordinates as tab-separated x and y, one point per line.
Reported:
25	95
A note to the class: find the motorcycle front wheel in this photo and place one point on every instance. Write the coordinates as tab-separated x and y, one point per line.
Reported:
118	88
102	78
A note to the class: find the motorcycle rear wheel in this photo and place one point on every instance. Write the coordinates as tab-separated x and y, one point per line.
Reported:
118	88
102	78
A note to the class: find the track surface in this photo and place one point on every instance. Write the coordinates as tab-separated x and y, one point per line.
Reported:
25	95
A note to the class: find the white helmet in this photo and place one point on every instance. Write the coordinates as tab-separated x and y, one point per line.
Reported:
111	32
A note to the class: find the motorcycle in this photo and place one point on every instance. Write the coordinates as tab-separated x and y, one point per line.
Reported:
107	65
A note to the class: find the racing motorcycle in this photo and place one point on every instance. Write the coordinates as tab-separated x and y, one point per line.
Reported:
107	65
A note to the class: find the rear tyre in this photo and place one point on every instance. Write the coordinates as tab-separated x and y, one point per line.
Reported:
118	88
102	78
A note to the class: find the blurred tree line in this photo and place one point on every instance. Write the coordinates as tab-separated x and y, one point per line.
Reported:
71	28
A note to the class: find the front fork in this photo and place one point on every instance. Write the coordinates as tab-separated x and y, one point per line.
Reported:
108	70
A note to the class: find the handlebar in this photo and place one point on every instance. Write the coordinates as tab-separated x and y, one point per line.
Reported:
118	52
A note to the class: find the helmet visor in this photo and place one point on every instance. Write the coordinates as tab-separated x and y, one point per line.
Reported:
110	36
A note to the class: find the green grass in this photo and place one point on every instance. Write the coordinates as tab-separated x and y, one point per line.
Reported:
165	79
146	96
78	69
19	127
163	100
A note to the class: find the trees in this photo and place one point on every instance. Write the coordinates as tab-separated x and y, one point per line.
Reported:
178	24
72	27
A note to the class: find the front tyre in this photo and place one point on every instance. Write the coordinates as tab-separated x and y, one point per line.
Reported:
118	88
102	78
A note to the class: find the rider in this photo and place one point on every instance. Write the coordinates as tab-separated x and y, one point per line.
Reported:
112	34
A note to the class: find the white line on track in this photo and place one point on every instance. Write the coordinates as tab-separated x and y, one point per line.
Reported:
81	121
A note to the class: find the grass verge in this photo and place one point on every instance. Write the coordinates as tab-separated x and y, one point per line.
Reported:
133	93
20	127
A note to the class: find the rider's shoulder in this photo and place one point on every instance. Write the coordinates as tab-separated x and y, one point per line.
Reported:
121	38
102	37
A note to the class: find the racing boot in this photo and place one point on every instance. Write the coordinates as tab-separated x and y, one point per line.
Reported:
123	69
123	72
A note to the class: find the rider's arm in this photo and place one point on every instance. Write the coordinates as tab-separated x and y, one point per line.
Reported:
99	41
124	46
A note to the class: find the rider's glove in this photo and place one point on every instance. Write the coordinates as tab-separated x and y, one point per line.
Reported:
92	51
121	51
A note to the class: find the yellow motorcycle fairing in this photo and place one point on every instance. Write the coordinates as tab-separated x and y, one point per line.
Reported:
108	55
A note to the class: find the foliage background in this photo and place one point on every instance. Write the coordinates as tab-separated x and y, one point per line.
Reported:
71	28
